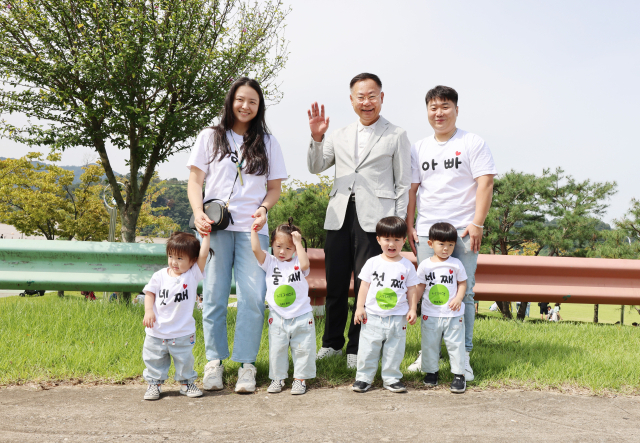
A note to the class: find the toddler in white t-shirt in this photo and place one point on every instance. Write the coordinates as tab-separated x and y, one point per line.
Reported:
171	329
291	322
443	280
384	308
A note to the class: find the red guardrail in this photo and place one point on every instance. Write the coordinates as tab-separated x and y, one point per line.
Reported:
533	279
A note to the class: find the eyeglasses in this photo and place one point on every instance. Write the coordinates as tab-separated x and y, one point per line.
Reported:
371	98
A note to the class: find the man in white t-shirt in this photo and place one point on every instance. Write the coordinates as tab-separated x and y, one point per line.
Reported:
452	175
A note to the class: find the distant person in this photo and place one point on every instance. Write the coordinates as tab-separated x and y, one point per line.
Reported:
543	310
1	235
494	306
555	313
372	159
168	317
452	182
443	283
387	301
291	324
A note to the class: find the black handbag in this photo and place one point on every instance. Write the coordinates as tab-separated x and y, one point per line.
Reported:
217	211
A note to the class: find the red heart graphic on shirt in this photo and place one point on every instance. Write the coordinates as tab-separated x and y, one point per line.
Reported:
364	321
296	267
270	320
458	152
184	286
450	271
402	277
425	317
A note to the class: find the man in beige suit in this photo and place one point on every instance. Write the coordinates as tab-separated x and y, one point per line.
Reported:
372	179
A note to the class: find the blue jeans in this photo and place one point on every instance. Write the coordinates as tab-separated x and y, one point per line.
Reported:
157	353
469	260
434	329
299	333
386	336
233	249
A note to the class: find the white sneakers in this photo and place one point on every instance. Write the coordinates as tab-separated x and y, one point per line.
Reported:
212	380
327	352
416	366
275	386
190	390
153	392
352	361
246	378
468	372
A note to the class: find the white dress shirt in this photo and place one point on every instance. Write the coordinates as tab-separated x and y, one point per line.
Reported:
362	138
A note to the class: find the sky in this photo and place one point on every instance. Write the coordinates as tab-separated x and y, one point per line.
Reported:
545	83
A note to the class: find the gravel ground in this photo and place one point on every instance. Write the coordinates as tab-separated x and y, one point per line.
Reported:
118	413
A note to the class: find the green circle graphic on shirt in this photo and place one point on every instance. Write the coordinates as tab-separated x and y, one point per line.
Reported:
438	295
386	298
284	296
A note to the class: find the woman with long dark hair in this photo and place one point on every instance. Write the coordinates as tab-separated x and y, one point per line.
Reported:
240	161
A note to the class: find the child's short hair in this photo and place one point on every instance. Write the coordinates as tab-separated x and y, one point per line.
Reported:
287	229
393	226
442	231
182	243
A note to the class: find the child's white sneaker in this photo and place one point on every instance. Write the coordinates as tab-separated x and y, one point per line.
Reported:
468	372
275	386
298	387
246	378
153	392
327	352
190	390
416	366
212	380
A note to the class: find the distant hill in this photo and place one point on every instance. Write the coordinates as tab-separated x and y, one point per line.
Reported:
77	171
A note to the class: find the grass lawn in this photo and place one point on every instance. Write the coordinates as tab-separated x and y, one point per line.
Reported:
59	339
575	312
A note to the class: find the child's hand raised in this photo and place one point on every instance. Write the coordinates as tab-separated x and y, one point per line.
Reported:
296	237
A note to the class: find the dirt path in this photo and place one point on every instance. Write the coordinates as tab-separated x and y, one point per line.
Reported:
118	413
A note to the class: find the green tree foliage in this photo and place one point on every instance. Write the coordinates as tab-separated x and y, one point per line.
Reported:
575	208
143	76
307	204
624	240
175	200
515	217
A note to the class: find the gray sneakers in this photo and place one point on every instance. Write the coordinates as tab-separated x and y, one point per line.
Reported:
153	392
298	387
327	352
275	386
212	380
190	390
246	378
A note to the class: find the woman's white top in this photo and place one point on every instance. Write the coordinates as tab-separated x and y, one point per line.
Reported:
220	175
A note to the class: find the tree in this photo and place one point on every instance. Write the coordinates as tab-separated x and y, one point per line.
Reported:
32	195
140	75
515	216
574	208
175	200
307	204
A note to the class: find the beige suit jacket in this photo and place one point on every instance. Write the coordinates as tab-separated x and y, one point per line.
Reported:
380	181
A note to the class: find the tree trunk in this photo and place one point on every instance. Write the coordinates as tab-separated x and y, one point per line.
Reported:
595	313
129	219
126	297
504	309
523	310
60	293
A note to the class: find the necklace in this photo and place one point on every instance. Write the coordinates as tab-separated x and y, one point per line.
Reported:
239	161
452	135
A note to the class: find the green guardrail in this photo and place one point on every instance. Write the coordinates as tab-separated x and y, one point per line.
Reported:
80	266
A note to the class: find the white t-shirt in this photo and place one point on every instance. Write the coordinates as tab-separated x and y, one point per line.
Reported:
446	173
220	175
287	288
442	280
175	298
388	283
